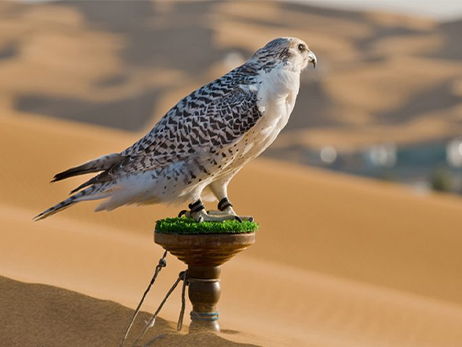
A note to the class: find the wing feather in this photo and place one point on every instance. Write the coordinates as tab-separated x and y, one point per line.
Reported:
212	117
195	131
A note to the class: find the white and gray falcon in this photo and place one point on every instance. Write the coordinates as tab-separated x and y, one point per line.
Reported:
194	151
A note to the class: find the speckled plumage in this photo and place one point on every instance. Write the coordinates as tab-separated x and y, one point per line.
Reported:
209	135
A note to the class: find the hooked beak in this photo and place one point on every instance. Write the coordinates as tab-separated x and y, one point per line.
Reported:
312	59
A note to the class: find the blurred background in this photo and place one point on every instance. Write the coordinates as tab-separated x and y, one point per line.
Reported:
385	101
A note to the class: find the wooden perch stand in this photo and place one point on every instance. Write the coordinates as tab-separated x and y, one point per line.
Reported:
204	254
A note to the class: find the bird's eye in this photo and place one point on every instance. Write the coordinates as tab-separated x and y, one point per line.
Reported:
301	47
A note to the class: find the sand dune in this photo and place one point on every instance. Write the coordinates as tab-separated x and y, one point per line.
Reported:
345	262
64	318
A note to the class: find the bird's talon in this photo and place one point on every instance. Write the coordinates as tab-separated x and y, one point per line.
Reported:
182	213
238	219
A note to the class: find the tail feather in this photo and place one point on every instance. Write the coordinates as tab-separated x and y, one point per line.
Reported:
102	163
92	193
91	181
55	209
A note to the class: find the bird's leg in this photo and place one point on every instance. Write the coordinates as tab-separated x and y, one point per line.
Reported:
198	213
225	208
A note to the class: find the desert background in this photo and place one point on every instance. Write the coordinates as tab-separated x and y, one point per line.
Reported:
362	247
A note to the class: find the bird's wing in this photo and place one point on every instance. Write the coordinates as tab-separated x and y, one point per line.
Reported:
201	123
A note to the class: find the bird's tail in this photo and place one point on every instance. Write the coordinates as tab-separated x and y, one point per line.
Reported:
94	192
99	164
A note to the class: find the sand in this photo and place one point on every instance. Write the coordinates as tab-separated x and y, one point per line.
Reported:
65	318
343	262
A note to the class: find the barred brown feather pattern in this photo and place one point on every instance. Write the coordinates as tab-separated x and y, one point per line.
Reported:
214	115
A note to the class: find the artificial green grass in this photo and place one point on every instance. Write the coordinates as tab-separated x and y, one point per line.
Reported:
182	225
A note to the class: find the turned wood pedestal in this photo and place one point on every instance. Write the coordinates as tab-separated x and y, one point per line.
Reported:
204	254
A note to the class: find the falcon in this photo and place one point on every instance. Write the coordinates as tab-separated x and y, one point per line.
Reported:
198	146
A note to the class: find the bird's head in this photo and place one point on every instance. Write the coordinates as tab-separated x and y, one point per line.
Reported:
291	52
